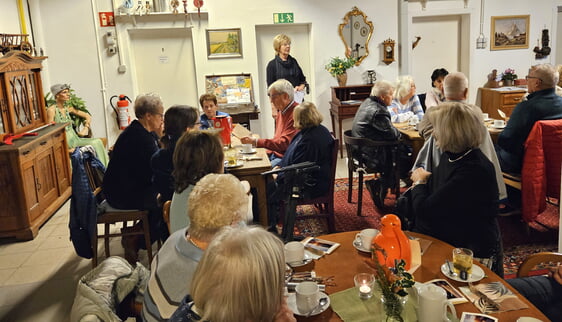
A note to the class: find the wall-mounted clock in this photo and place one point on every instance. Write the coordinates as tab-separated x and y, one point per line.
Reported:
388	51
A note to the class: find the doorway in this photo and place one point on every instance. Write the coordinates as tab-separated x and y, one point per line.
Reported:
300	50
164	64
439	47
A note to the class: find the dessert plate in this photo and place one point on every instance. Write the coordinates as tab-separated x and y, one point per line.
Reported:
251	152
238	164
477	274
359	247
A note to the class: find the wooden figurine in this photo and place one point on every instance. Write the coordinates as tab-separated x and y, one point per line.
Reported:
492	82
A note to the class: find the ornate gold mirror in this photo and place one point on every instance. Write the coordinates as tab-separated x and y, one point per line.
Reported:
355	32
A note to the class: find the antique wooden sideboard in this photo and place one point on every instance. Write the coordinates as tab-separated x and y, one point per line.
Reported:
344	104
502	99
34	170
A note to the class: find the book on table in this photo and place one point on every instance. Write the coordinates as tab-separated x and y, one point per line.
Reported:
316	247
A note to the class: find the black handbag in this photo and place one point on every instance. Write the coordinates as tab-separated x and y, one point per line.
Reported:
404	209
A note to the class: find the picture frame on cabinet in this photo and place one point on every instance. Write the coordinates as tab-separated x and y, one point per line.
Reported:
224	43
509	32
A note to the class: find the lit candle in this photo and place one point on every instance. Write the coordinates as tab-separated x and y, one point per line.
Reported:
365	290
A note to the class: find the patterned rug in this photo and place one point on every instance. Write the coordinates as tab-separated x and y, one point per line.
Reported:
519	239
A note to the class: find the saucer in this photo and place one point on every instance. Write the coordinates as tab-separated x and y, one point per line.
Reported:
528	319
307	259
359	247
497	127
477	274
488	119
292	303
238	164
251	152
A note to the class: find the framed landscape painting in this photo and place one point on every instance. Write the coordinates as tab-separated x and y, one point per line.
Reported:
509	32
224	43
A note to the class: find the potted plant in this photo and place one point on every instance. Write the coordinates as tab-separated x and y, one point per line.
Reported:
508	77
338	67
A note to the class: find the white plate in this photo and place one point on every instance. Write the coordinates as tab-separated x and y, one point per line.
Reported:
307	259
497	127
251	152
359	247
292	303
528	319
238	164
477	274
488	119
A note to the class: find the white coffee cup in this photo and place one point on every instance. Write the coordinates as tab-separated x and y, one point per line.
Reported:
247	148
433	304
365	237
294	252
485	116
308	295
499	123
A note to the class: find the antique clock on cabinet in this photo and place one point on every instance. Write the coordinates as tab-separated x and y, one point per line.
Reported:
388	51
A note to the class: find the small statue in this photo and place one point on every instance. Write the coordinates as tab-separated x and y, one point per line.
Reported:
394	242
492	82
175	4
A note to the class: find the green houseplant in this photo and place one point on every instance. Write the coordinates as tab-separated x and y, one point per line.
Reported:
338	67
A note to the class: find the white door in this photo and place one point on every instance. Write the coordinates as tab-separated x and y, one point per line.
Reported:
300	50
439	47
164	64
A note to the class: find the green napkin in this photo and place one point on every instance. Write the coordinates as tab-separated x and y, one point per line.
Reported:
349	307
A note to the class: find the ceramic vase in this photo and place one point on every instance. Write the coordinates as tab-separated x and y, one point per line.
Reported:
342	79
508	82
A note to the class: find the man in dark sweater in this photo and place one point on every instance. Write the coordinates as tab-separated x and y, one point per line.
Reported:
541	104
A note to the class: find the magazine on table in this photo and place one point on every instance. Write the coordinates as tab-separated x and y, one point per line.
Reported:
316	247
492	297
453	295
477	317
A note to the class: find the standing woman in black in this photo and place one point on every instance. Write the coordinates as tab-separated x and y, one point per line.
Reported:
284	66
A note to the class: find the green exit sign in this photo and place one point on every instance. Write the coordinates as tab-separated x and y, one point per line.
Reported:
286	17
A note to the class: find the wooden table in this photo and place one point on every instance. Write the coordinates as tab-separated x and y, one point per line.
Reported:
251	171
346	261
411	137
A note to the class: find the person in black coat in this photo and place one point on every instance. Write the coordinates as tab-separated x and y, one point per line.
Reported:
177	120
312	143
458	202
127	182
284	66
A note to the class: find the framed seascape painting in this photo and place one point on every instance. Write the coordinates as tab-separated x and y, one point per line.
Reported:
224	43
509	32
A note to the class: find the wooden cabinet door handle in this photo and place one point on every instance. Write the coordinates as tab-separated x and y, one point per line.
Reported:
26	152
43	143
517	99
38	184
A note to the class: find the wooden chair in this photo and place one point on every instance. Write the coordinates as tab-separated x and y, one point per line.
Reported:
324	203
356	163
543	257
95	179
541	171
166	213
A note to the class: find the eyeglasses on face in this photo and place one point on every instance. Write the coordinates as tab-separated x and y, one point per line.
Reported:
273	95
528	77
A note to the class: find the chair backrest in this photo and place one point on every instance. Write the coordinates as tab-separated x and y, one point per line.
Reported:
166	213
538	258
352	143
541	170
421	97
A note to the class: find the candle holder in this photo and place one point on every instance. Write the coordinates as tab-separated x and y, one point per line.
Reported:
365	284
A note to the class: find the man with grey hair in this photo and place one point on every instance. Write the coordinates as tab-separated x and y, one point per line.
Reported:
542	104
372	121
281	95
455	87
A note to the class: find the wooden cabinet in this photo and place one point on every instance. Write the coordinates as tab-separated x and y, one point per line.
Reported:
505	100
344	104
34	170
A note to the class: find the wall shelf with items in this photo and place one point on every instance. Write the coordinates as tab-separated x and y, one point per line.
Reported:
159	17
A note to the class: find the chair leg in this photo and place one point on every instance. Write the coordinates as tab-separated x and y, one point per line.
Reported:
360	194
331	217
146	231
106	240
349	183
95	248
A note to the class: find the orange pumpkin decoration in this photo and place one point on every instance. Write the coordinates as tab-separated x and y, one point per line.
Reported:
394	242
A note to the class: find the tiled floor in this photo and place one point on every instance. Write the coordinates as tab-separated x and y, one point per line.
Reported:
38	278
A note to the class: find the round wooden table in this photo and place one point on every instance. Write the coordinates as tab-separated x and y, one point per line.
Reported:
346	261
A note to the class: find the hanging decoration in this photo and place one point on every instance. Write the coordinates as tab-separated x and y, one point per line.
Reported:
198	4
175	4
185	7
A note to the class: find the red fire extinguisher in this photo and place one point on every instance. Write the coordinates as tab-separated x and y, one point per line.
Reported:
122	110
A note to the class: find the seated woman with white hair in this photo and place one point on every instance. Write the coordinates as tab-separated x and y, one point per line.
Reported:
241	277
406	103
458	202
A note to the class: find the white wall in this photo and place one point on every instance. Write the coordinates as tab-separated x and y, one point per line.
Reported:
69	32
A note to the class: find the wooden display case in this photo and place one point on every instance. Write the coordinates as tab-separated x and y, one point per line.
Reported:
502	99
34	170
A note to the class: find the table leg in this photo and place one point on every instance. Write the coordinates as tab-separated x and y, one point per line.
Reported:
258	182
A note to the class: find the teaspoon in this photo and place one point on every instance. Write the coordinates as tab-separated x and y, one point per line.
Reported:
321	303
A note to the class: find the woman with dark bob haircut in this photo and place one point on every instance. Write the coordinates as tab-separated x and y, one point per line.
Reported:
458	202
197	154
436	95
177	120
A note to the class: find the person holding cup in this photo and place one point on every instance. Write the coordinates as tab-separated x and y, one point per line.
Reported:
458	202
241	277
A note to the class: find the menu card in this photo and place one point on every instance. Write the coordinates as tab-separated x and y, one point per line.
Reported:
492	297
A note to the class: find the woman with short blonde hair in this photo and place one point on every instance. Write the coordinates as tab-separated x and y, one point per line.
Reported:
462	189
284	66
406	103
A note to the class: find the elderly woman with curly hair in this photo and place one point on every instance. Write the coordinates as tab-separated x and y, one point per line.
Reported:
406	103
458	202
241	277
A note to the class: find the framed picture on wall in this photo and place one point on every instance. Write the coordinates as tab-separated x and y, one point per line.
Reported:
224	43
509	32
